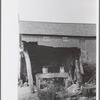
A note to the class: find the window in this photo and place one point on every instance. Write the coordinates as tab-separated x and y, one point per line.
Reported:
65	39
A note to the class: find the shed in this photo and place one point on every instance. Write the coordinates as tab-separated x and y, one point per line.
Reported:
56	44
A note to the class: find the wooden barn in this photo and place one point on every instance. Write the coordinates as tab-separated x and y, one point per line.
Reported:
54	45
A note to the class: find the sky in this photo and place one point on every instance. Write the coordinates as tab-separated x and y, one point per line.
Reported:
68	11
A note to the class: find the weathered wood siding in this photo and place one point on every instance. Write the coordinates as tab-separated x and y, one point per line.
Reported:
87	45
91	49
72	29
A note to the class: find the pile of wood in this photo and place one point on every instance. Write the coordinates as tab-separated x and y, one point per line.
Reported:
75	91
49	94
86	91
89	70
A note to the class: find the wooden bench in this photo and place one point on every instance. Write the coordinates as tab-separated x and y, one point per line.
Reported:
51	75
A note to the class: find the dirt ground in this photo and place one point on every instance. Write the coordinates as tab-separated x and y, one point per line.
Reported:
24	94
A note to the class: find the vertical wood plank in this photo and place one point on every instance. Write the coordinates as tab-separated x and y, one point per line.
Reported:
29	71
37	83
66	82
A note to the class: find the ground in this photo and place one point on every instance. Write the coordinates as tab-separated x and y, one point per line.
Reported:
24	94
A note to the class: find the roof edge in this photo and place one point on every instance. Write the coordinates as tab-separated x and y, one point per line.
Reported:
56	22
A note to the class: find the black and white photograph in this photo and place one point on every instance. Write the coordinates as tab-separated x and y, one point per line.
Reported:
57	56
57	50
57	61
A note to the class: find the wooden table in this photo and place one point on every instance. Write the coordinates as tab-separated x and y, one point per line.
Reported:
51	75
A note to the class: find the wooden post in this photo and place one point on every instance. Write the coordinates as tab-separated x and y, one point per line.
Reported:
79	77
29	70
37	83
66	82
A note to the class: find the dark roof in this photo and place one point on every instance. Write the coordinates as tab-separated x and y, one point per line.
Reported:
50	28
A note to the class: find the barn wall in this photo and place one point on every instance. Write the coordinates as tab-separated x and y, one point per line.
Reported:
91	49
52	41
87	45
